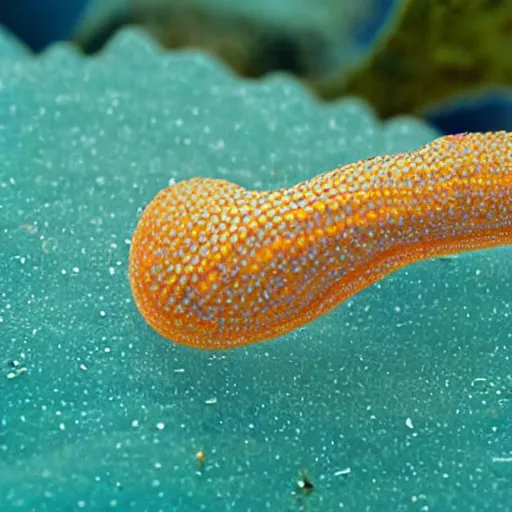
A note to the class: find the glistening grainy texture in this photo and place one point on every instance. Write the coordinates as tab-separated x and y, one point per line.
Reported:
213	265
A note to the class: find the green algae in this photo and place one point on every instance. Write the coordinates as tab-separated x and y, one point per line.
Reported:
431	54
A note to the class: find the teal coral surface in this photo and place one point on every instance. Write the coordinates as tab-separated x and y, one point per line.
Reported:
399	400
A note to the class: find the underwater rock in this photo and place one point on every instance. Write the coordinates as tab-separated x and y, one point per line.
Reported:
431	54
302	39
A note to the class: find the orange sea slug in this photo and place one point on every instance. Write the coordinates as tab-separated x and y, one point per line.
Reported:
214	266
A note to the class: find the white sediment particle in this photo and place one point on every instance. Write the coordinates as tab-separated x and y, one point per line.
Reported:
16	373
342	472
408	422
48	245
502	459
210	401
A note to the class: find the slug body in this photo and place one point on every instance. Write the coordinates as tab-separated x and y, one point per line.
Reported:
214	265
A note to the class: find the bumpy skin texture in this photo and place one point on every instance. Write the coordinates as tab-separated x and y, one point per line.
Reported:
215	266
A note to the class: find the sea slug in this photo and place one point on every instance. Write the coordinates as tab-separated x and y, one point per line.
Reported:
214	265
